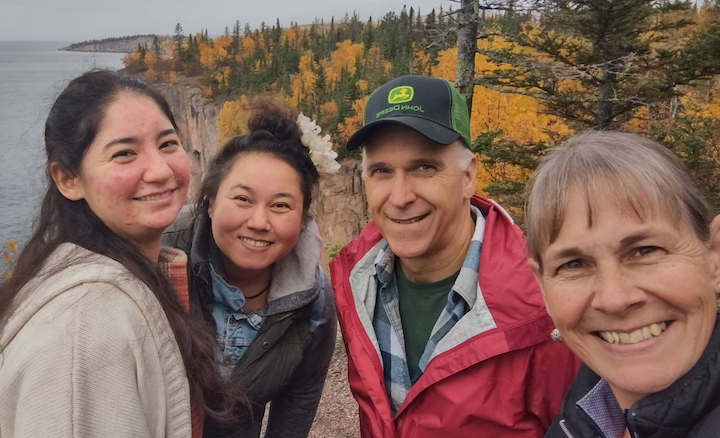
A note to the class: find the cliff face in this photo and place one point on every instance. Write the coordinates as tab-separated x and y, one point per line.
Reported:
340	208
196	117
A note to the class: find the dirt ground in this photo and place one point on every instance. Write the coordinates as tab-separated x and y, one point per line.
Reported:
337	415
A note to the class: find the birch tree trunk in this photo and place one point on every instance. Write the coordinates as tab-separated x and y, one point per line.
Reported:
467	19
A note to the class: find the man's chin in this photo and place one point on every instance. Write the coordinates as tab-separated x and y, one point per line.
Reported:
407	248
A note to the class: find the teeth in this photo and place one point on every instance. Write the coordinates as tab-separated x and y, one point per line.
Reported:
646	333
255	243
655	329
155	197
634	337
409	221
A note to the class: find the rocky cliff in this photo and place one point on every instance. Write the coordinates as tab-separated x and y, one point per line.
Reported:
339	208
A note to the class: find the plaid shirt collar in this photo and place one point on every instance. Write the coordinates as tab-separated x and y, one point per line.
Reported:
388	325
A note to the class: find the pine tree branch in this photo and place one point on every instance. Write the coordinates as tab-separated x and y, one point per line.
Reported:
490	86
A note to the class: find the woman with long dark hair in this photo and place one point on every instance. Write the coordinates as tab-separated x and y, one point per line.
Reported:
254	272
93	339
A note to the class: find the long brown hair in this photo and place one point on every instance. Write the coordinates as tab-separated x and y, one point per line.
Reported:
71	127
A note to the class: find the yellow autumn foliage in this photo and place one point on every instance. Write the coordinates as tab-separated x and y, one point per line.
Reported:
131	58
151	75
11	246
521	118
327	112
150	59
421	61
210	55
222	41
703	102
223	77
232	118
343	58
352	123
303	83
288	36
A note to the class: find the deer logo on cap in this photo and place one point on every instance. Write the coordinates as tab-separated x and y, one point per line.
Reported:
401	94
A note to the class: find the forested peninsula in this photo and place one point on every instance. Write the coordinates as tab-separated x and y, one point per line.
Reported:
126	44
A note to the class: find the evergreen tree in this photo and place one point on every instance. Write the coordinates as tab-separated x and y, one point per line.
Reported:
235	44
141	51
156	46
179	37
432	41
368	36
617	53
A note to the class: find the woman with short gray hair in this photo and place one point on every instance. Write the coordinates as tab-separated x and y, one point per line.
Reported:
620	242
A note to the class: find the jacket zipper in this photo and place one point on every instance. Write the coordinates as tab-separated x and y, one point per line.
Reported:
285	317
359	338
362	343
565	429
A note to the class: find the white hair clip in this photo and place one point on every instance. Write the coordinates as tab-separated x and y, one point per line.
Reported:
321	152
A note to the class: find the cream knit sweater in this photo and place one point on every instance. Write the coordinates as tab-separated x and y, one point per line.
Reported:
89	353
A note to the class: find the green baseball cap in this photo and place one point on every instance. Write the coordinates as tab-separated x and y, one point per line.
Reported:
430	106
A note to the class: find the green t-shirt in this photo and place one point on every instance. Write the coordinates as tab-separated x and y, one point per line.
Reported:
420	307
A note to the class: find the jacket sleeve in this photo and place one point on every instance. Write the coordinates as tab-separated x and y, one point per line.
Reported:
552	369
292	412
96	373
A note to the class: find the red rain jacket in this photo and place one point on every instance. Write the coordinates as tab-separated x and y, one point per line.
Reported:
505	382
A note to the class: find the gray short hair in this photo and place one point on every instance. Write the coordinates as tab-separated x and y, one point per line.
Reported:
463	155
643	176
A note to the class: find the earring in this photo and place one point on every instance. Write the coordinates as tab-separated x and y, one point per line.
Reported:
557	337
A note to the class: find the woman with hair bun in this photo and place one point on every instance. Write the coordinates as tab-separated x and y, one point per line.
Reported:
254	273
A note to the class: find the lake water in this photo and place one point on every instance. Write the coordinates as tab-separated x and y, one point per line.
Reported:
32	74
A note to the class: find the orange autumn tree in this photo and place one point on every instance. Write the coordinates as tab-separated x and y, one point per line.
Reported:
352	123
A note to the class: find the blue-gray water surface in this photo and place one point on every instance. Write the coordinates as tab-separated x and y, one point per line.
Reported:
32	74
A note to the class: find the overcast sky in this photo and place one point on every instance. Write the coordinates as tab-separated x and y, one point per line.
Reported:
79	20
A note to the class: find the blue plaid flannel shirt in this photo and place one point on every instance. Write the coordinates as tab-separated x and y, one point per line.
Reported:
388	325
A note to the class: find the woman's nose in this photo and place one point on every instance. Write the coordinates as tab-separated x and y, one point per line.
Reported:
615	294
156	167
258	220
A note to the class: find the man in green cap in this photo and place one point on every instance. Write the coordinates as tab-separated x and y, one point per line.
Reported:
444	325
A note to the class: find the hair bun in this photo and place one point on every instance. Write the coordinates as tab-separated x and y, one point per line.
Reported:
275	117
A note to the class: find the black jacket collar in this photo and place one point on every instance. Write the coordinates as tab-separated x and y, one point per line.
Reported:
688	407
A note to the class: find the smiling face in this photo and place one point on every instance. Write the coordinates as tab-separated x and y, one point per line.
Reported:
417	194
134	175
634	299
257	214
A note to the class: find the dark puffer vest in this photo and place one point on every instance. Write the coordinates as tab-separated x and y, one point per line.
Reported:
287	362
689	408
